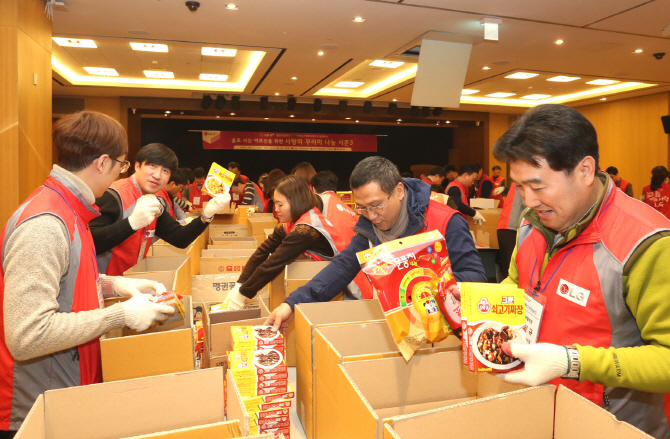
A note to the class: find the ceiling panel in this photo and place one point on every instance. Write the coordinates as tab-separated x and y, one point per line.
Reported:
649	19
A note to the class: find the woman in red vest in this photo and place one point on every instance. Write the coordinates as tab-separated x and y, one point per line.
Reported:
657	194
302	230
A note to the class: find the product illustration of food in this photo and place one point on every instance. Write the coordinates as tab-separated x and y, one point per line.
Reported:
174	300
492	314
219	180
256	337
412	277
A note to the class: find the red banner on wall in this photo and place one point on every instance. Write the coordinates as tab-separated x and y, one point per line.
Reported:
288	141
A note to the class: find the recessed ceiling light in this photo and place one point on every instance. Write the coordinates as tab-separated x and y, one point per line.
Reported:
276	94
347	118
217	51
603	99
160	74
469	92
74	42
559	41
294	78
638	50
209	77
356	121
486	68
437	123
313	120
218	117
521	75
563	78
232	114
603	82
399	120
500	95
395	100
101	71
147	47
359	19
334	90
291	116
387	64
448	121
231	6
320	53
167	112
166	115
349	84
266	118
535	97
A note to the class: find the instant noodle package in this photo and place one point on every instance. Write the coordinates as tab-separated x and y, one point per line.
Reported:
412	277
218	180
491	314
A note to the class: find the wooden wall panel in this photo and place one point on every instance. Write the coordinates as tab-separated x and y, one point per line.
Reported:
8	13
470	145
498	124
111	106
9	120
33	22
630	135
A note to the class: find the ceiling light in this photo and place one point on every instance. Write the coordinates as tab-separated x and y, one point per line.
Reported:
168	111
563	78
232	114
159	74
521	75
166	115
294	78
276	94
147	47
395	100
486	68
358	19
313	120
291	116
347	118
349	84
603	99
448	121
559	41
535	97
74	42
217	51
603	82
218	117
231	6
500	95
266	118
321	53
356	121
210	77
490	28
387	64
333	90
101	71
399	120
638	50
469	92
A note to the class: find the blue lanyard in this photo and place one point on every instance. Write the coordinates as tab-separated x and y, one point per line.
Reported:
535	291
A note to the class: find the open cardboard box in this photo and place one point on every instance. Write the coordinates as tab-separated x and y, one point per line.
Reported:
537	412
224	261
228	231
130	408
156	351
233	243
193	251
244	212
212	287
481	239
223	218
340	344
256	225
371	391
492	216
484	203
307	317
181	265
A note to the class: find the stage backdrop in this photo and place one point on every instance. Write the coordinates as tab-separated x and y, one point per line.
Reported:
405	146
288	141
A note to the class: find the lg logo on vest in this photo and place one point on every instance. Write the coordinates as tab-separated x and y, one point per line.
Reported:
573	292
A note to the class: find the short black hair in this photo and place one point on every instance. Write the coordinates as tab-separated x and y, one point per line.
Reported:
199	173
236	165
496	168
188	173
178	177
437	188
325	181
612	170
438	170
377	169
468	168
658	176
478	166
450	168
559	134
406	174
237	180
157	154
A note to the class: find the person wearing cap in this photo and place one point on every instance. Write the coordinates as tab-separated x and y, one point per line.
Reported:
620	182
593	263
51	291
131	214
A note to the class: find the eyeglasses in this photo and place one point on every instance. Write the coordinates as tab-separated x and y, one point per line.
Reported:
125	165
374	209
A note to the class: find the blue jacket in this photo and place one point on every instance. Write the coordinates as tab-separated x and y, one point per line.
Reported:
466	263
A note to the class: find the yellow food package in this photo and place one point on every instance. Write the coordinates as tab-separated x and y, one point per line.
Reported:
255	337
219	180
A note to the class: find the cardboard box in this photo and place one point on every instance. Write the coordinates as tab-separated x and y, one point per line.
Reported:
372	391
344	343
481	239
221	241
242	213
212	287
181	265
536	413
492	216
159	350
307	317
223	218
167	278
193	251
268	232
484	203
130	408
239	245
224	261
228	231
256	225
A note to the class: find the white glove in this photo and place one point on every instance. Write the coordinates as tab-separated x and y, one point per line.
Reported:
216	204
141	314
543	363
498	190
234	299
129	287
478	219
147	208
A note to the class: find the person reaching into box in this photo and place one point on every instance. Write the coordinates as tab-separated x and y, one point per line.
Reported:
302	229
390	208
51	292
593	262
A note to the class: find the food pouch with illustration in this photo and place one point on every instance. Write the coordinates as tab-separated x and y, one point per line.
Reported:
492	315
219	180
406	274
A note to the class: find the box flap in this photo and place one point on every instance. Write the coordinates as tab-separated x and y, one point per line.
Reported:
489	385
33	426
171	263
227	253
167	278
304	269
132	407
220	430
236	408
232	244
385	414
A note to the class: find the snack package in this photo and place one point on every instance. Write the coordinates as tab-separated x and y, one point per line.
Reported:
407	274
256	337
218	180
174	300
492	315
254	363
269	413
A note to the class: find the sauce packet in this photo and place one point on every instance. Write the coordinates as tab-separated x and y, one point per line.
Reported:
218	180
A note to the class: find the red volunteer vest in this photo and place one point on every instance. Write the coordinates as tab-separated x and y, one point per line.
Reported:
168	200
135	248
594	261
261	195
22	382
196	196
464	193
623	184
658	199
497	182
427	180
481	183
512	210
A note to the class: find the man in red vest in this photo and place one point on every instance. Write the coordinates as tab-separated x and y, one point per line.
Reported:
458	192
324	185
620	182
131	214
235	168
194	193
390	208
170	195
248	193
593	263
51	293
435	176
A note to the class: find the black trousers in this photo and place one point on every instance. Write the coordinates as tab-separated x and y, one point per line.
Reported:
7	434
506	242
